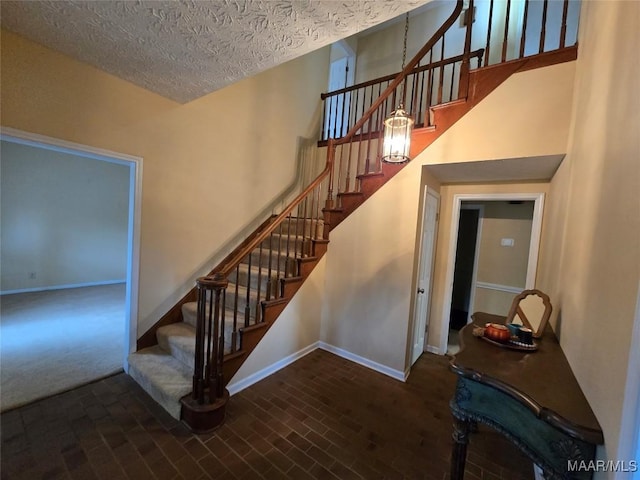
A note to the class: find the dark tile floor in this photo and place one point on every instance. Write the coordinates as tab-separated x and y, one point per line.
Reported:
322	417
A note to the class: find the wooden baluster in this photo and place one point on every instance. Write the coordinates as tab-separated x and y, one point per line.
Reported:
247	307
420	113
355	98
198	370
334	117
220	357
259	286
358	157
324	116
270	266
505	41
215	368
453	76
345	117
234	334
465	67
523	38
487	49
381	117
330	160
286	271
306	242
563	29
427	110
367	160
543	30
348	176
441	79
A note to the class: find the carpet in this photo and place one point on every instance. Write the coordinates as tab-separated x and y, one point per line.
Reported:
56	340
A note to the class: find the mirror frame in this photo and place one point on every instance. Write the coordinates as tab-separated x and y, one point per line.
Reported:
515	309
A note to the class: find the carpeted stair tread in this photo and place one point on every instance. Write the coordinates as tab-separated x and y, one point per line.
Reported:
162	376
190	309
244	273
179	340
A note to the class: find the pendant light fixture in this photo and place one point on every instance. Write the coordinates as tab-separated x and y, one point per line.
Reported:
398	125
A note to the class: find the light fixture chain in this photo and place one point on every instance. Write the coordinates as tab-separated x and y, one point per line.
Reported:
406	34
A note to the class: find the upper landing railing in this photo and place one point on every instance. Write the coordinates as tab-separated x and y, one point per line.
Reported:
502	30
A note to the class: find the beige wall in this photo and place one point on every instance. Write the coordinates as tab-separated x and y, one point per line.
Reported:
210	166
371	259
590	261
297	330
64	219
502	265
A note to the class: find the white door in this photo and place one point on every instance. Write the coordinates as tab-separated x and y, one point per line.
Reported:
427	243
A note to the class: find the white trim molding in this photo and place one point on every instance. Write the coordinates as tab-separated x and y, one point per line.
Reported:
365	362
63	287
499	288
237	386
246	382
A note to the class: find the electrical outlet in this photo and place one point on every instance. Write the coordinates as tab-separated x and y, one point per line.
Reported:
32	275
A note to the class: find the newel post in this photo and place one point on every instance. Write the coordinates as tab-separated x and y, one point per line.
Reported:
204	409
463	84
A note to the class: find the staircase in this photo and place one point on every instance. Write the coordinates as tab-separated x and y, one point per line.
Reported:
269	274
188	357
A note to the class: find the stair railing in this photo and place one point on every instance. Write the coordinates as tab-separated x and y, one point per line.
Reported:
260	267
360	150
360	97
497	31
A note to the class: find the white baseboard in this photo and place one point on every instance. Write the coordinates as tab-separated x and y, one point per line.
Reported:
432	349
378	367
62	287
235	387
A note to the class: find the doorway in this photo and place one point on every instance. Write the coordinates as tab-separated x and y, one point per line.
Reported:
486	276
467	253
132	190
341	75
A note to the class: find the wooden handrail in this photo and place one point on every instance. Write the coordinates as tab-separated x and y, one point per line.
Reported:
441	63
235	258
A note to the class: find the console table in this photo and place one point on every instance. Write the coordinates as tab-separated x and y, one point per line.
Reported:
530	397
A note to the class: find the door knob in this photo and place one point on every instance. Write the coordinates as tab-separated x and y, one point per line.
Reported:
421	290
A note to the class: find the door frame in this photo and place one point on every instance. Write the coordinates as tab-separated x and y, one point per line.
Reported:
350	55
420	317
534	247
135	210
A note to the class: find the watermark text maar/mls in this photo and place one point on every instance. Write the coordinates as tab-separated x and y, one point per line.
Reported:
602	466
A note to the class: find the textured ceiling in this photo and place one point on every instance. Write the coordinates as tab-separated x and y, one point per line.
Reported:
187	48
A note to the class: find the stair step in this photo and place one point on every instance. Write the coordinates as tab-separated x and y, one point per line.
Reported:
243	275
165	378
283	241
307	227
288	265
179	340
190	313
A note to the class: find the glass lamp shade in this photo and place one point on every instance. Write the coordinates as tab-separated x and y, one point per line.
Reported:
397	137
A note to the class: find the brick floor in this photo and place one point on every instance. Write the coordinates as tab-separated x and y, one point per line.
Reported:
322	417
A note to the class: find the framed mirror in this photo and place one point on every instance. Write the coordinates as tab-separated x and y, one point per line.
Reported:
532	309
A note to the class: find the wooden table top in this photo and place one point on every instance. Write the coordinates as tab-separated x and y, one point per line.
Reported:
542	380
